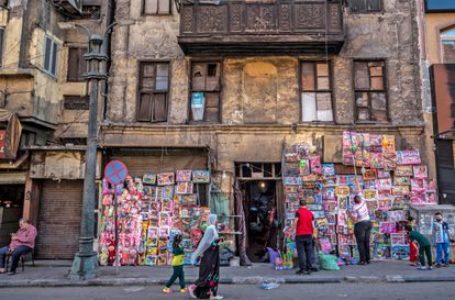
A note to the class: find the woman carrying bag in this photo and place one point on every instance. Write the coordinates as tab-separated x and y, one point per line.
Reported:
206	287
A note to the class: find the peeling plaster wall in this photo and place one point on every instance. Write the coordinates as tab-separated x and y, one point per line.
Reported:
260	95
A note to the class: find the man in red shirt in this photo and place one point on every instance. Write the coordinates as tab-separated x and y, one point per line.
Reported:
304	238
22	242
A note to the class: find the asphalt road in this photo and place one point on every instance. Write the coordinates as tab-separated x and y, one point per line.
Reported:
365	291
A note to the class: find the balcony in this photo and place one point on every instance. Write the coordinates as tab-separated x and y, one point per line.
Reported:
69	7
252	27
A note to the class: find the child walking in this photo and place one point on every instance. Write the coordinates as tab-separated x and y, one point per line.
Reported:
424	247
177	265
441	240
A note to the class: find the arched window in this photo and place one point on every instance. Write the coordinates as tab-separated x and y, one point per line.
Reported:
448	45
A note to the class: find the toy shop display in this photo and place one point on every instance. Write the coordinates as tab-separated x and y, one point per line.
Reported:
151	211
390	181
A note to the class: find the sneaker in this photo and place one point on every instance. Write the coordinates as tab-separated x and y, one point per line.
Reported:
299	272
217	297
421	268
430	268
438	265
446	265
183	291
191	291
167	290
12	273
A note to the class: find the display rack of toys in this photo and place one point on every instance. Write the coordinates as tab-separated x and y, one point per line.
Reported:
151	210
390	180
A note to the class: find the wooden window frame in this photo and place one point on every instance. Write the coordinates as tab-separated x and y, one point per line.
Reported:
157	9
367	11
370	91
219	92
2	44
315	90
441	43
80	77
141	91
52	67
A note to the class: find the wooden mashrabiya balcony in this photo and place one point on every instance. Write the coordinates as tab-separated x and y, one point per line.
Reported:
252	27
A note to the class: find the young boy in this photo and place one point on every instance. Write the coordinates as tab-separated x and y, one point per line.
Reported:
441	240
424	247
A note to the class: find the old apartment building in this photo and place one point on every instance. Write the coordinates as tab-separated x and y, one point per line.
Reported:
227	85
43	114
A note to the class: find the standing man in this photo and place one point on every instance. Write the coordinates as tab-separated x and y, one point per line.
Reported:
22	242
304	238
362	229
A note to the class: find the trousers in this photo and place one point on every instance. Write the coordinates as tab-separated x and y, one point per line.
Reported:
304	245
15	256
362	232
442	253
177	273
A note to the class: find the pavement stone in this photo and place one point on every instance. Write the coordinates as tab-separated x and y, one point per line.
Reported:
55	274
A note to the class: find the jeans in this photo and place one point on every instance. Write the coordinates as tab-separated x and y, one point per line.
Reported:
304	245
425	250
15	256
178	273
362	232
442	253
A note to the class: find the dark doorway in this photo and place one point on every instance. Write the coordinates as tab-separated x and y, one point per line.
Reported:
260	207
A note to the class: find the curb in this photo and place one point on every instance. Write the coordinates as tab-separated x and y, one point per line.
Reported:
255	280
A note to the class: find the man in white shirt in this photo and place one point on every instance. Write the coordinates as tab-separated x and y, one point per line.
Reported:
362	229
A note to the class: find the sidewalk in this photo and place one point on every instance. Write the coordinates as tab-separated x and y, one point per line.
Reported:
54	274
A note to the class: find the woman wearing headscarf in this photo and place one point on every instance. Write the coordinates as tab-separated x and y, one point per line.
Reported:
206	287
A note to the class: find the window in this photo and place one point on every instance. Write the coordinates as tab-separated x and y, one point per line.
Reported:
91	12
2	31
370	96
316	94
363	6
448	46
76	102
50	57
157	7
153	92
77	65
205	92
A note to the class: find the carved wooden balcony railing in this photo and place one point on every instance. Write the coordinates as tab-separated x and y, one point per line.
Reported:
261	26
69	7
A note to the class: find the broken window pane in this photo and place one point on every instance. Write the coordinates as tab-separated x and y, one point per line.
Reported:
362	81
308	76
308	107
379	116
148	83
149	70
376	71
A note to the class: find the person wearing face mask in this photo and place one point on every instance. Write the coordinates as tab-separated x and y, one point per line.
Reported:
441	240
206	287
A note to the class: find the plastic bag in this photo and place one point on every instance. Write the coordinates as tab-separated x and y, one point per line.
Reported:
329	262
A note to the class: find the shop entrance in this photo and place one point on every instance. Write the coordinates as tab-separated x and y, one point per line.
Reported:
11	205
261	217
260	188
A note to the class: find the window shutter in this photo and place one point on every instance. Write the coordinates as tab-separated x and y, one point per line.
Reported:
47	54
144	108
160	108
212	107
73	65
82	68
54	59
1	45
